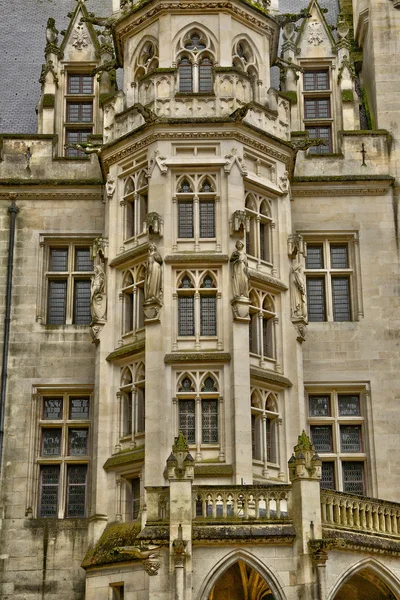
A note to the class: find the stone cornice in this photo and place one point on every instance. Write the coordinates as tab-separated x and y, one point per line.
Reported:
352	540
124	351
213	470
129	255
277	533
197	357
196	257
123	458
258	277
341	185
270	376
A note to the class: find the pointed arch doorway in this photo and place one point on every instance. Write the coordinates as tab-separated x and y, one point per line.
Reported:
240	582
365	585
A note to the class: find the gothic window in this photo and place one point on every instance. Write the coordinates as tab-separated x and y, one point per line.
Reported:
198	399
195	59
197	306
146	60
243	58
261	325
133	298
329	273
136	204
63	454
258	240
79	118
68	274
264	415
196	207
317	99
337	431
133	401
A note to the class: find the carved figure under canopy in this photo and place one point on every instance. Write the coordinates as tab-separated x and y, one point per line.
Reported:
298	291
240	274
153	280
98	299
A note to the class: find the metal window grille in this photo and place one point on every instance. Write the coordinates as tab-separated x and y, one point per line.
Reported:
82	312
129	406
328	476
265	326
83	259
315	256
79	408
51	442
207	219
208	315
185	219
324	133
339	256
316	80
341	299
350	438
76	490
135	498
187	420
79	112
52	408
205	76
317	108
80	84
48	494
186	315
268	435
57	302
76	136
319	406
141	409
58	259
185	76
349	405
253	436
247	243
322	438
316	298
77	442
353	477
209	410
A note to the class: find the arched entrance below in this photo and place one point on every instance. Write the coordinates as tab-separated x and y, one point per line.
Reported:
241	582
364	585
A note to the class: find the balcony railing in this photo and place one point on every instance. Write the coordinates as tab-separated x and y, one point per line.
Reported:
366	515
253	502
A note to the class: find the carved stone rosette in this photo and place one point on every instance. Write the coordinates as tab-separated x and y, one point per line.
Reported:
151	566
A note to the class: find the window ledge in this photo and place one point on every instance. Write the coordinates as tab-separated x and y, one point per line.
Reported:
196	94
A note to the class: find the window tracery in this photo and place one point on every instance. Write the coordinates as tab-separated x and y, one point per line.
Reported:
146	60
258	239
132	300
264	417
196	201
132	402
195	56
262	325
135	201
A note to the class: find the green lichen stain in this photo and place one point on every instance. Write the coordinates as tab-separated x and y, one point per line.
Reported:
114	535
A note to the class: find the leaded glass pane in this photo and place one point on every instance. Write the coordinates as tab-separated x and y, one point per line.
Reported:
317	108
268	434
316	298
315	257
207	282
324	133
135	498
185	76
208	315
209	385
186	315
57	302
51	442
79	112
328	476
129	413
205	76
52	408
319	406
187	420
353	477
206	186
49	480
322	438
209	421
316	80
83	259
349	405
339	257
186	282
79	408
141	409
207	219
58	259
185	187
253	435
195	43
341	299
185	219
264	241
265	337
80	84
350	438
76	490
82	312
77	442
187	385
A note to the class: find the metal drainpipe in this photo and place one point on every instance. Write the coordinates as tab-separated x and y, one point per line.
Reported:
12	210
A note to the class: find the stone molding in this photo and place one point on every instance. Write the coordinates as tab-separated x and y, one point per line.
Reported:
129	255
258	277
270	376
196	258
197	357
125	351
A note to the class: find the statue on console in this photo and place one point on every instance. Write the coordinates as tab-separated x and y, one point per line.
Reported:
240	274
153	280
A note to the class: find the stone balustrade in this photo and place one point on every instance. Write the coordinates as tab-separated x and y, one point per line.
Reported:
241	502
367	515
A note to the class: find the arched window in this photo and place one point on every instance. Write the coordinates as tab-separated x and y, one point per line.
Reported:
205	75
195	63
264	414
185	75
133	401
261	326
196	219
136	204
200	300
258	240
133	298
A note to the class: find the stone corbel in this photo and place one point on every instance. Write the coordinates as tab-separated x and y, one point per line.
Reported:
240	309
240	223
110	187
159	161
233	158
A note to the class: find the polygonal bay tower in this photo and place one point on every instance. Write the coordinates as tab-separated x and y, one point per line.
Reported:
200	276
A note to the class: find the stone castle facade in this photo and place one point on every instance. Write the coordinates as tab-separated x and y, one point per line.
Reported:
200	378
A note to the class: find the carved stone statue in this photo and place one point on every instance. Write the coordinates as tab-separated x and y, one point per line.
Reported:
297	252
153	280
240	276
98	300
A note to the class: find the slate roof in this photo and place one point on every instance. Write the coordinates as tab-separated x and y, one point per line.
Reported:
22	41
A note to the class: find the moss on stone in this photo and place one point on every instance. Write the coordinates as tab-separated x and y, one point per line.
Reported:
347	96
124	457
104	98
213	470
368	114
291	96
126	350
271	376
114	535
49	100
52	182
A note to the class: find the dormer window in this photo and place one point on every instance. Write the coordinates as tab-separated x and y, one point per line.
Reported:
317	108
79	118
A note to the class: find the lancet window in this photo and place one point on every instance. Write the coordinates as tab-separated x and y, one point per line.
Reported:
132	300
196	197
195	60
132	401
262	325
135	202
258	239
264	417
